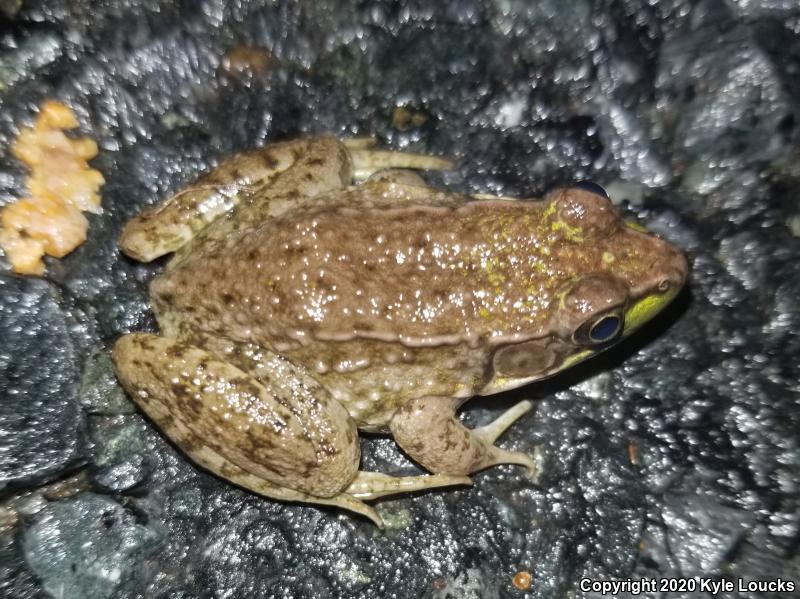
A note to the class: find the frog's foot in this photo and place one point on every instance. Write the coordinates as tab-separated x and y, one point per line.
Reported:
367	161
428	430
272	171
367	485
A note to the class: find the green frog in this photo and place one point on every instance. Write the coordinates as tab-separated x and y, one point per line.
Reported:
319	288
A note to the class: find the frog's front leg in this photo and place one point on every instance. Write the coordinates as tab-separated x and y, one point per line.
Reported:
279	434
428	430
302	167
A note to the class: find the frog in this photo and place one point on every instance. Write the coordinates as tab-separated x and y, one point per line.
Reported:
319	288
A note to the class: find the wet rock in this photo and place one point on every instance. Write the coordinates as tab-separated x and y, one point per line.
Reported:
771	8
9	8
703	533
687	108
100	392
41	422
85	546
25	58
736	105
15	579
122	450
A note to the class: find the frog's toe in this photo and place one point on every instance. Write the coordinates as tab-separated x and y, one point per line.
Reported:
494	429
368	161
372	485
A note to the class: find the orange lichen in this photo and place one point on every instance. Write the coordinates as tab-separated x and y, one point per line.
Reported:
61	185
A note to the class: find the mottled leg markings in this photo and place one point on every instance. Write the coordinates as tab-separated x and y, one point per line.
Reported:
428	430
215	463
278	434
398	175
488	196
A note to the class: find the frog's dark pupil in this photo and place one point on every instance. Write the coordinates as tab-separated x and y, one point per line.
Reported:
604	329
592	187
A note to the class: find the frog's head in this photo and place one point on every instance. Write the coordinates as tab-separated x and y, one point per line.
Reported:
603	279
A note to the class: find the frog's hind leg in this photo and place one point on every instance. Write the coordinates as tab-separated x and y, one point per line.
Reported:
169	225
367	160
428	430
267	426
282	427
366	486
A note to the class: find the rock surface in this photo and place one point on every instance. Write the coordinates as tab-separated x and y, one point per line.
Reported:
675	454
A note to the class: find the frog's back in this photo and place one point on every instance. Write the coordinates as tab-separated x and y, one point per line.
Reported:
420	275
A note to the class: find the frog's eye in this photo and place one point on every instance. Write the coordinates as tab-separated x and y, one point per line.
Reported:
604	329
592	188
599	330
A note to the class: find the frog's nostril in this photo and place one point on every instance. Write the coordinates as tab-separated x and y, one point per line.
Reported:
664	285
674	271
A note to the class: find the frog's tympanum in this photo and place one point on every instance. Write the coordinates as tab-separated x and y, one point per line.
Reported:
300	308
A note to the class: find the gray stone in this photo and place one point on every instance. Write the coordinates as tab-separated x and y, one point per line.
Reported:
85	546
100	392
41	423
673	452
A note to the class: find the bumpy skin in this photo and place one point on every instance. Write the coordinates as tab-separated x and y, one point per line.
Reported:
299	308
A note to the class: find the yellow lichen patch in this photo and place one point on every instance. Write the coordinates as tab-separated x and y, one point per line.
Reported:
61	185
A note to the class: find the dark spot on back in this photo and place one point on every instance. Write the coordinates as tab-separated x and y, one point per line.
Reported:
179	391
316	162
174	351
268	160
227	298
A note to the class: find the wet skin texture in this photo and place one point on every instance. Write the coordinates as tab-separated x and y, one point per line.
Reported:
299	308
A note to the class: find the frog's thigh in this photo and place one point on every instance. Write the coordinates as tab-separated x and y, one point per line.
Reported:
304	166
428	430
282	431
